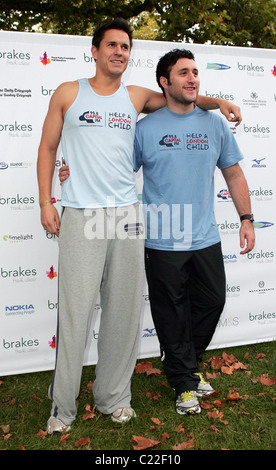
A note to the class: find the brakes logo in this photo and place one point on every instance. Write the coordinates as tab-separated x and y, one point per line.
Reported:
91	117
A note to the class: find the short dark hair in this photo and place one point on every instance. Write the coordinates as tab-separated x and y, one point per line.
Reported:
117	23
168	60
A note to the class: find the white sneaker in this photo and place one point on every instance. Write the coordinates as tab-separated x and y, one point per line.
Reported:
123	415
204	388
187	403
55	425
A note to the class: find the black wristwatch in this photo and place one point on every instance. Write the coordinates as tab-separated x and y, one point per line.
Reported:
247	217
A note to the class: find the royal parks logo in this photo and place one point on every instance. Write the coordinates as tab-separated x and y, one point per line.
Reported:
45	59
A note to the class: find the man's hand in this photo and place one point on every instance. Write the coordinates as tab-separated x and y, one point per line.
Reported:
247	236
63	173
50	219
231	111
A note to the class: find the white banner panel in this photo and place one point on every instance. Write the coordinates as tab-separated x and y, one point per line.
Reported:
31	67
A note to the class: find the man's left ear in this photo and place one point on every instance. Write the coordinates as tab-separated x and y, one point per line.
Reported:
164	82
94	51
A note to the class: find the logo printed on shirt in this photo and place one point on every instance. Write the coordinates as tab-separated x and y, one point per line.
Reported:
113	120
91	117
170	140
117	120
197	141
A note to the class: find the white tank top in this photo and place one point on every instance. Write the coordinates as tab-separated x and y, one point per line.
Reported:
97	144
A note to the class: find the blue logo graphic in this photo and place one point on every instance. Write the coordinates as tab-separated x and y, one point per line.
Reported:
3	166
214	66
262	224
224	194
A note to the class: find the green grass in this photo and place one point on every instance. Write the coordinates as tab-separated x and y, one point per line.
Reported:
246	424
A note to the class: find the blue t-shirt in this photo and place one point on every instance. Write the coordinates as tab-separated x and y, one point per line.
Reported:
179	154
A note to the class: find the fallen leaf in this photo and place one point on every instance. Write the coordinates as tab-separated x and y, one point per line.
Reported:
216	362
36	398
211	376
180	428
64	437
165	436
146	367
157	421
239	365
227	370
229	358
214	428
216	415
143	442
42	434
154	396
184	445
206	406
5	428
90	385
266	380
232	396
260	356
219	403
90	413
82	442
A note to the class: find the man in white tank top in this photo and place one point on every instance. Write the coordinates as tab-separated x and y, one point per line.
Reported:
110	263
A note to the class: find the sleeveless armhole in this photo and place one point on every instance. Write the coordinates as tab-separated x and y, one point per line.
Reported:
81	85
127	93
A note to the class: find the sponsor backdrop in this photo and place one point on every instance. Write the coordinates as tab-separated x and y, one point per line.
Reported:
31	67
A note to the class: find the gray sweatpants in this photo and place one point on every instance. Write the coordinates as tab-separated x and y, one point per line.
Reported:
102	251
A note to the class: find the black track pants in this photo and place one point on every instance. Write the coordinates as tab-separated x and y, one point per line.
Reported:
187	296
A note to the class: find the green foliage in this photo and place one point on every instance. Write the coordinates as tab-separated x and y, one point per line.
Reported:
225	22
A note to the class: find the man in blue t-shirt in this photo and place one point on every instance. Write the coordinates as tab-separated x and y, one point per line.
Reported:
179	148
